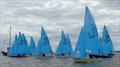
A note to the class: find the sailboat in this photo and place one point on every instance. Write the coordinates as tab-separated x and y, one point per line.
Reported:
80	54
44	48
64	47
5	52
21	45
17	48
95	44
91	35
21	50
69	46
107	43
25	45
32	47
101	50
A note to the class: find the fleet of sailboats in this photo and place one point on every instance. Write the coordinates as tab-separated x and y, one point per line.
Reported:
89	45
19	47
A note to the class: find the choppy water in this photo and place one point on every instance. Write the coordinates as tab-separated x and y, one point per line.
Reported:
56	62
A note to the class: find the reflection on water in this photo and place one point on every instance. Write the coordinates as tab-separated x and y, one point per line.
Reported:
56	62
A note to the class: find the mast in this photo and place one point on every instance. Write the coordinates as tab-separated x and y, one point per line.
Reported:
10	36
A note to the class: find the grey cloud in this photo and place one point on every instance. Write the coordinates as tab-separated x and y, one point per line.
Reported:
111	4
28	16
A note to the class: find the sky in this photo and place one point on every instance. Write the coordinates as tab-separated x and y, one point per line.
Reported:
28	16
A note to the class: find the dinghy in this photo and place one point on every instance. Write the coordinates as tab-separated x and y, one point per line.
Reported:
64	48
21	45
108	49
13	51
80	54
69	46
91	34
44	48
25	45
102	52
32	47
94	43
5	53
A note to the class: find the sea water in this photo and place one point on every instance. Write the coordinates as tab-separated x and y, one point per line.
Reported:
57	62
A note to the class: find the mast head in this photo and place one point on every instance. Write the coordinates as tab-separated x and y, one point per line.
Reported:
43	32
20	33
62	33
86	8
42	28
31	38
16	36
105	30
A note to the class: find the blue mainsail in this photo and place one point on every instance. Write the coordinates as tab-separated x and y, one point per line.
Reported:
21	44
107	42
91	33
100	49
17	48
32	47
64	47
25	44
61	47
69	46
43	46
21	49
80	49
13	51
